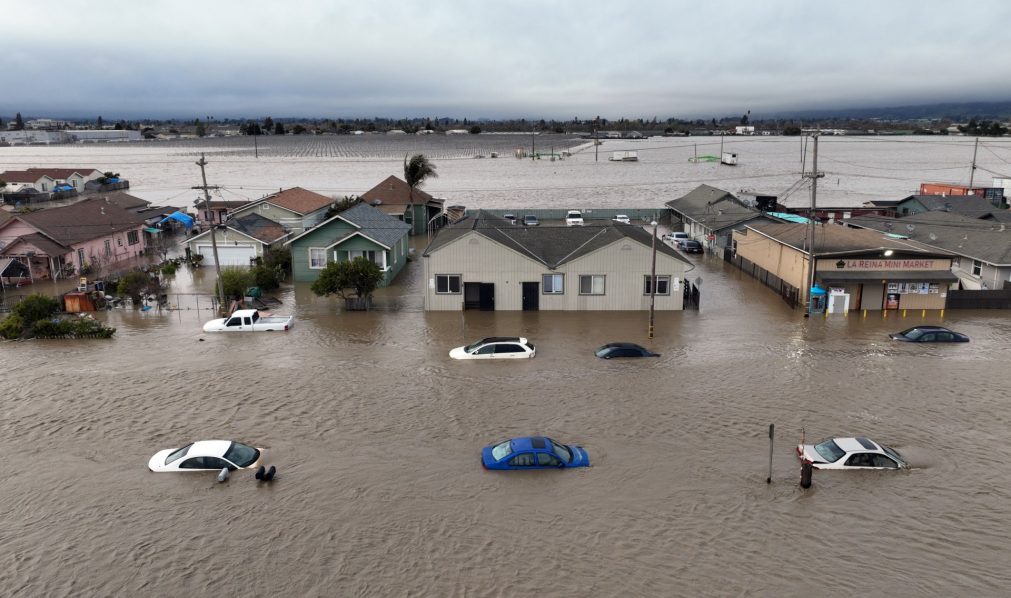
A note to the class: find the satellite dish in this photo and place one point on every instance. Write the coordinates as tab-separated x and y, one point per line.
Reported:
910	227
933	237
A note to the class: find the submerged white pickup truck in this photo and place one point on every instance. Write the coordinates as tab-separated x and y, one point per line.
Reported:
249	320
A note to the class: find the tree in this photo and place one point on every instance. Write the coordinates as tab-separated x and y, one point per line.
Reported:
201	130
268	124
134	285
744	119
298	130
235	281
278	129
99	123
416	171
360	276
19	124
475	130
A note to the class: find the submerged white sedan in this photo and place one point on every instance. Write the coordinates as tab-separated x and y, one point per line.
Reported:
850	453
206	455
496	347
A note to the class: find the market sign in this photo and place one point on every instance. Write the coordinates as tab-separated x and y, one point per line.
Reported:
883	264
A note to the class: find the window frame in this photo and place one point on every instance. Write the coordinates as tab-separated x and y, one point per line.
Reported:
544	285
660	278
449	288
603	279
977	268
322	250
132	237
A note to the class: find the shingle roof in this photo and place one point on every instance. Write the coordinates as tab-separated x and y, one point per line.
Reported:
836	239
550	245
299	200
124	200
375	224
47	245
63	173
971	237
258	227
19	176
395	191
90	219
715	208
973	206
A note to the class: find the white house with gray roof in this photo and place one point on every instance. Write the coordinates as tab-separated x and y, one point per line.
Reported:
484	262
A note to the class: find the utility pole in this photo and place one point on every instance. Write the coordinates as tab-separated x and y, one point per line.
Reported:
596	147
972	172
214	243
533	150
814	176
256	149
652	283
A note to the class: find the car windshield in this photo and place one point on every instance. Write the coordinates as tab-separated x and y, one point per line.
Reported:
473	346
178	454
829	451
242	455
502	450
601	352
562	451
893	454
912	333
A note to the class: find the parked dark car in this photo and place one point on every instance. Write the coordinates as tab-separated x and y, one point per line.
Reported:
530	220
691	246
611	350
929	334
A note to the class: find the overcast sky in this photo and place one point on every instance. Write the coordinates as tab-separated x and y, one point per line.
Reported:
495	58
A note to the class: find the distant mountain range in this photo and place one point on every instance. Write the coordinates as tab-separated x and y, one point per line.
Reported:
957	111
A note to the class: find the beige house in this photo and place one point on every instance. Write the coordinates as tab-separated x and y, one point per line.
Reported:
856	269
484	262
295	209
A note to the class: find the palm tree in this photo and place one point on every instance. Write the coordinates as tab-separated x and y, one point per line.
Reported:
416	171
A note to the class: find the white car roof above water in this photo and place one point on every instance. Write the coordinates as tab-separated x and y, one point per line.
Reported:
209	448
856	444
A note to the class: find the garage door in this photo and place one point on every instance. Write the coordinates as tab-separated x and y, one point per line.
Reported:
230	255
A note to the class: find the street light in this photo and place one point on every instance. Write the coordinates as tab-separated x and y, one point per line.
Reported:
652	283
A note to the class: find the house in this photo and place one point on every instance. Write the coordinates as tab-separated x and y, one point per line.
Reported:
982	248
75	177
296	209
80	237
20	180
972	206
862	269
710	215
215	211
995	195
359	231
395	197
239	241
484	262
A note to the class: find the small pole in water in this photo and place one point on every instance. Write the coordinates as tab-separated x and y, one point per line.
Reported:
223	474
772	435
806	471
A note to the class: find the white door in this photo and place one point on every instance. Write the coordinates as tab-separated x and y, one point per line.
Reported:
230	255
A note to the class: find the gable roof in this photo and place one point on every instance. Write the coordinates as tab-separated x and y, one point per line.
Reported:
298	200
970	237
830	239
63	173
124	200
714	208
973	206
256	226
21	176
42	242
396	191
372	223
89	219
549	245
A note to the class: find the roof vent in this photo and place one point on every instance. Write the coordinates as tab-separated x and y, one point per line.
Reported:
376	202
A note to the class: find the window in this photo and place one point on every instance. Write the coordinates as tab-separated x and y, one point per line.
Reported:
234	322
447	283
553	284
376	257
562	451
317	258
119	241
500	451
132	237
662	285
108	247
509	349
861	460
547	460
485	350
208	216
522	460
977	268
829	451
591	284
180	453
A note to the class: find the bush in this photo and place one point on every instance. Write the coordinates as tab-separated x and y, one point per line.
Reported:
235	281
168	269
133	284
278	258
50	328
36	307
360	275
11	327
266	278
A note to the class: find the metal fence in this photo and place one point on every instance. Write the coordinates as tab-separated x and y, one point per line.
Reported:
992	299
788	293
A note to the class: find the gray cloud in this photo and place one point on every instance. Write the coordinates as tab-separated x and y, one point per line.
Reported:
546	58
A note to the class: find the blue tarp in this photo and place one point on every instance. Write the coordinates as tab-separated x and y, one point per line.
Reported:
817	291
177	215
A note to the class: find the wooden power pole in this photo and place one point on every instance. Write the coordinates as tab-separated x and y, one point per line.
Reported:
214	243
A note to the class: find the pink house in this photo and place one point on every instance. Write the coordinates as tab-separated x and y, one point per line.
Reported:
61	242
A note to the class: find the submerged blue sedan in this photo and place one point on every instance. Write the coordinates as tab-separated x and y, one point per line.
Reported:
533	452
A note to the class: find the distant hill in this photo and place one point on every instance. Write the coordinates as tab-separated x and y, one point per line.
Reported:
957	111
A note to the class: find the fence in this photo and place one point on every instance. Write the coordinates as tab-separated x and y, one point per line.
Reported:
992	299
788	293
8	301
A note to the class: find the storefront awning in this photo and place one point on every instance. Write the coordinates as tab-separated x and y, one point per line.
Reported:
152	230
889	275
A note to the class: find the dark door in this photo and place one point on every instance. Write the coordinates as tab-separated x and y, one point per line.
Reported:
487	296
531	296
471	295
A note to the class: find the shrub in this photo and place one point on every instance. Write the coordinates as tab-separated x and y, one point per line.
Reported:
133	284
50	328
235	281
168	269
266	278
360	275
278	258
11	327
36	307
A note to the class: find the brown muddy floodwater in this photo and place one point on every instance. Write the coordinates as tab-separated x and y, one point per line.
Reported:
377	434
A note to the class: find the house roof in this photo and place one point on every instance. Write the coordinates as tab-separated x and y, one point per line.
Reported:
89	219
124	200
299	200
63	173
398	192
42	242
225	203
832	239
973	206
374	224
715	208
256	226
550	245
981	240
20	176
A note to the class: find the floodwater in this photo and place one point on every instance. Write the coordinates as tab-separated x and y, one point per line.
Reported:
377	434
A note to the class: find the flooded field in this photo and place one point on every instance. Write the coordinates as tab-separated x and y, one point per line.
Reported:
376	435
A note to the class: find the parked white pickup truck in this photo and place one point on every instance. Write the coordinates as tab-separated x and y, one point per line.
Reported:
249	320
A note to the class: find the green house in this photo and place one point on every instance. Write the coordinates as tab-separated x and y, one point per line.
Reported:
360	231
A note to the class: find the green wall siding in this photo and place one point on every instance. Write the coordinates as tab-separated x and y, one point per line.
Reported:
326	235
